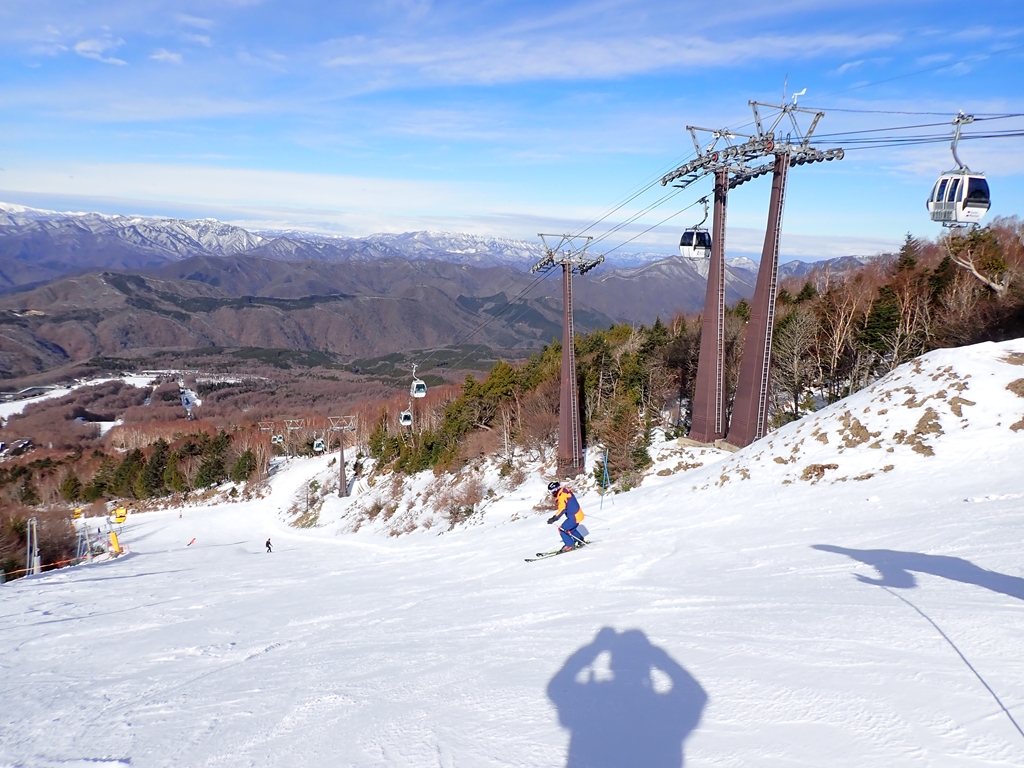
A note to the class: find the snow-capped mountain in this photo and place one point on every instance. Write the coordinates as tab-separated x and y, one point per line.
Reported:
37	245
176	238
437	246
835	266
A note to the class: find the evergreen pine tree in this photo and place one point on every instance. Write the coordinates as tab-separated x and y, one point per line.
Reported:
173	478
152	477
123	483
907	258
71	487
807	293
98	485
211	472
244	467
882	320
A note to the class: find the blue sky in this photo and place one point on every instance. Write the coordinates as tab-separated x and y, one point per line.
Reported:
499	118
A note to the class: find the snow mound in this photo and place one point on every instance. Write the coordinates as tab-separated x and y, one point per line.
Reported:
935	410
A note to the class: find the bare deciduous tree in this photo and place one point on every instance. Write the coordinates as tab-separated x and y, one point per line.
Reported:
540	419
793	367
978	252
841	307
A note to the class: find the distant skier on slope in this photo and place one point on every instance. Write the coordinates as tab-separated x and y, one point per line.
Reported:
269	548
568	506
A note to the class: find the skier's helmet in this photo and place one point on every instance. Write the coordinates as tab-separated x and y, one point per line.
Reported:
553	486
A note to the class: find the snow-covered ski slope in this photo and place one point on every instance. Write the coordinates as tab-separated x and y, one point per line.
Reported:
765	610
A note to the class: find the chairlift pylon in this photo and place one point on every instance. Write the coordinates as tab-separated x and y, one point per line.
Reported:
961	196
696	241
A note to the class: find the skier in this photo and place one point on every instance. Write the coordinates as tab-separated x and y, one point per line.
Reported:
568	506
268	546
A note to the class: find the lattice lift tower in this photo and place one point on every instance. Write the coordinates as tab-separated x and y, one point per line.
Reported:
573	259
724	158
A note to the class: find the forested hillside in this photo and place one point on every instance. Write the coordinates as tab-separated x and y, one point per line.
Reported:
834	334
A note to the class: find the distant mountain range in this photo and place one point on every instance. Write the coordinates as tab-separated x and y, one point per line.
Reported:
83	285
38	245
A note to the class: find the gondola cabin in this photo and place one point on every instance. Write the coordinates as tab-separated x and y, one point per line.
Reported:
418	388
405	418
959	198
695	244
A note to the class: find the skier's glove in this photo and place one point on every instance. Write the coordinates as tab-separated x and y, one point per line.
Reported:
552	519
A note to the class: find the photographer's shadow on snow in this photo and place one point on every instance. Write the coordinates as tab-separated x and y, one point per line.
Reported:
896	569
626	703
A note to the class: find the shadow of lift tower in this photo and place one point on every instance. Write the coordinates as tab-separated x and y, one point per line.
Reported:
732	165
573	259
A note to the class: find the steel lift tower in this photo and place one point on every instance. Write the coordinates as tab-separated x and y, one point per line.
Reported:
724	158
750	411
573	259
708	409
341	425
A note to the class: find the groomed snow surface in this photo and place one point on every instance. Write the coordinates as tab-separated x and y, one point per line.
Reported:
847	592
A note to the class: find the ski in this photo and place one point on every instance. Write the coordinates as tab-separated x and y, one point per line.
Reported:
554	553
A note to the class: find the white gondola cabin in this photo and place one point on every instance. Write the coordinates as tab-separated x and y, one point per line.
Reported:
418	388
959	197
696	241
695	244
405	418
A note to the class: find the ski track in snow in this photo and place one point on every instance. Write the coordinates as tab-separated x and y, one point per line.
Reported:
826	620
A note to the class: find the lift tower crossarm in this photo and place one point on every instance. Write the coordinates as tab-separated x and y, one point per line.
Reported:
787	110
713	157
573	255
737	159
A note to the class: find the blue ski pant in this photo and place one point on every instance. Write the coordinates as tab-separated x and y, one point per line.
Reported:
569	536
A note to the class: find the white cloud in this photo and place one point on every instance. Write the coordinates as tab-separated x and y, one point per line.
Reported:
195	21
960	68
264	58
165	56
203	40
978	33
47	49
362	206
243	187
94	101
935	58
510	59
997	158
95	48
